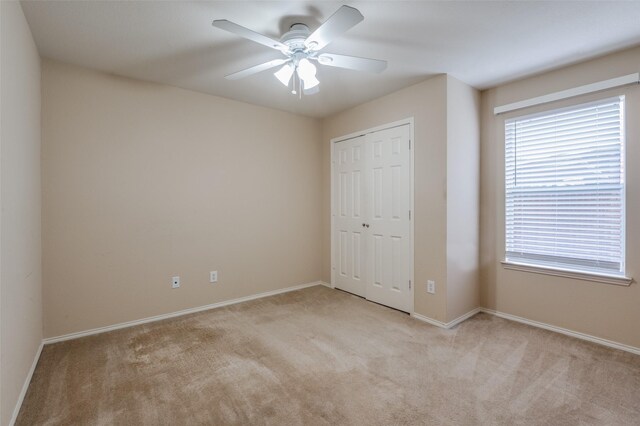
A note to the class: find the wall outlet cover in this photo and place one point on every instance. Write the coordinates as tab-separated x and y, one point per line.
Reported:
213	276
175	282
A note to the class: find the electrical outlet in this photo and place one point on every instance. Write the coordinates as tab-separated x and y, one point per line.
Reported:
213	276
175	282
431	287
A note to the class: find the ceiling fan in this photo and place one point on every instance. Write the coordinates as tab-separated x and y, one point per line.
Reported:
301	49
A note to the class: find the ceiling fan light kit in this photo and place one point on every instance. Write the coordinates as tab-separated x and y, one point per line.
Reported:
301	48
284	74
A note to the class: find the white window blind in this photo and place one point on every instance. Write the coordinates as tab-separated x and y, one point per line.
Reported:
565	191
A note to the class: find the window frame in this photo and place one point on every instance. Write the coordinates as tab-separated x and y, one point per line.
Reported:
558	270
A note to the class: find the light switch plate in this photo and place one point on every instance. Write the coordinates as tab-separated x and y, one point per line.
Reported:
431	287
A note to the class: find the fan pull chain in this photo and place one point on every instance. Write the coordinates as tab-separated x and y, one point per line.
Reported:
293	82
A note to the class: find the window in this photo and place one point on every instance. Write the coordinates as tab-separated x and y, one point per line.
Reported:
565	193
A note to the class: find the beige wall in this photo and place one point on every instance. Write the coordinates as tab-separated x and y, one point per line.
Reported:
426	102
143	181
607	311
463	198
20	237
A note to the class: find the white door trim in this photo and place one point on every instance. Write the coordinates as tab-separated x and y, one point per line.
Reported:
333	142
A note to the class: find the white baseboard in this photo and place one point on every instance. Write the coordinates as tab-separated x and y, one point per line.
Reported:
326	284
161	317
446	325
567	332
25	386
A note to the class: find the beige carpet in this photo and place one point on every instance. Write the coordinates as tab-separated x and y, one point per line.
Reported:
323	357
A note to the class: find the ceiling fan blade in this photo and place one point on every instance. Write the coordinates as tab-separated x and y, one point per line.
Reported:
255	69
342	20
249	34
352	62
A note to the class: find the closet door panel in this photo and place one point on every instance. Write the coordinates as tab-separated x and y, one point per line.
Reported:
350	205
388	233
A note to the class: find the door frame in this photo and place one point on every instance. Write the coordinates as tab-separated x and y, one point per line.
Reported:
406	121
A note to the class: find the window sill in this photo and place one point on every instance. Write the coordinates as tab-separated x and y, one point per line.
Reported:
599	278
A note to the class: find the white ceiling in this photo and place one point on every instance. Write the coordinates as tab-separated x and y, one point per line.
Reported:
480	43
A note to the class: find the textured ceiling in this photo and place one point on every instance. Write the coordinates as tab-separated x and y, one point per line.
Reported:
480	43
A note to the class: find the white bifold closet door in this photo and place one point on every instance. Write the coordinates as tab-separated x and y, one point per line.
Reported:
372	244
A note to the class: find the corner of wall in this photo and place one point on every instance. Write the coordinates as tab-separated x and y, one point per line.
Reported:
463	198
20	198
488	167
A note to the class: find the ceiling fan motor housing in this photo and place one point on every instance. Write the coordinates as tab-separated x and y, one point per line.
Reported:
296	36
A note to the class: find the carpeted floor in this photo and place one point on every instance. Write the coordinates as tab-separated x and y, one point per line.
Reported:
320	356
